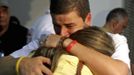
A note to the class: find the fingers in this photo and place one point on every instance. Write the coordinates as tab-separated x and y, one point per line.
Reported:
35	66
52	40
46	70
35	72
44	59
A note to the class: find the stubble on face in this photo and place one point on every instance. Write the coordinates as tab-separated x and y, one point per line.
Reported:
68	23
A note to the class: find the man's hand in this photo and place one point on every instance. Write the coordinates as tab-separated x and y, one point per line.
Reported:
53	40
34	66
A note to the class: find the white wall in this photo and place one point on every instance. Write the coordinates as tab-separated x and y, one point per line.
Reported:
29	10
38	9
100	8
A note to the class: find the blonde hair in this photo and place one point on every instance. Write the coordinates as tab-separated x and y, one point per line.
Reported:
96	38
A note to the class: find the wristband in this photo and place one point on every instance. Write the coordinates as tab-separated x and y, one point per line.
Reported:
17	64
68	48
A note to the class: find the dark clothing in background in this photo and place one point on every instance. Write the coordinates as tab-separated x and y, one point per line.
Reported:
14	39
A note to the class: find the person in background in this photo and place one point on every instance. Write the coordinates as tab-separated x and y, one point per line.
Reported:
116	22
13	36
69	16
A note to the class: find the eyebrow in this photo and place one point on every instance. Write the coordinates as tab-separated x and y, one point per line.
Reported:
69	24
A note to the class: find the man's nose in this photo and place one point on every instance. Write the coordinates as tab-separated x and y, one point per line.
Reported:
1	14
64	32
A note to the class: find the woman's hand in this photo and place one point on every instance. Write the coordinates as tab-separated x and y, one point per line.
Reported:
34	66
52	40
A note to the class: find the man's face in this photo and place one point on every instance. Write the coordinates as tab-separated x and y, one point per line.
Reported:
66	24
4	17
122	24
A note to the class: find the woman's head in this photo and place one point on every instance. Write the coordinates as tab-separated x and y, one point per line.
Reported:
96	38
92	37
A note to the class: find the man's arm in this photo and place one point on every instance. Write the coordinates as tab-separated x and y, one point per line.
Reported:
27	66
25	50
34	66
7	65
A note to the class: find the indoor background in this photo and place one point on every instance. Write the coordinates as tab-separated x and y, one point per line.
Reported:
28	11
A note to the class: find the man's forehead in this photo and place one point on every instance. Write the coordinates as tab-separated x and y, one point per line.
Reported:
3	7
66	17
4	3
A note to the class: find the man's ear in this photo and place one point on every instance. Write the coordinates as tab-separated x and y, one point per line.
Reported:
114	23
88	19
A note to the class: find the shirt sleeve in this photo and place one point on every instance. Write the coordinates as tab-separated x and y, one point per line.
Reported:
25	51
43	25
121	48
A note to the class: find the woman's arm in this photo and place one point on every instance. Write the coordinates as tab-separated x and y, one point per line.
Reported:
99	63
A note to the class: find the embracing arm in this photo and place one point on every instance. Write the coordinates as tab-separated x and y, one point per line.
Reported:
34	66
99	63
27	66
7	65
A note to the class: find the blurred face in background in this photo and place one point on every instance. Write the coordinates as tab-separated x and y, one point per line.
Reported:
4	17
122	24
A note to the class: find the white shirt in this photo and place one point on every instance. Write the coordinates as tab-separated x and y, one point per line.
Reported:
121	48
43	25
25	51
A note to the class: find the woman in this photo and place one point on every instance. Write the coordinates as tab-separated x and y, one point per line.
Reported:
64	63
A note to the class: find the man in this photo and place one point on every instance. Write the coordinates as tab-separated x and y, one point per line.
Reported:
68	23
116	21
68	17
13	36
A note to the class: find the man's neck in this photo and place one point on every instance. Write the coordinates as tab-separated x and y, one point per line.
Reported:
106	28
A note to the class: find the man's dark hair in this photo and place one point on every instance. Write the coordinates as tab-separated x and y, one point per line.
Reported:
66	6
117	14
